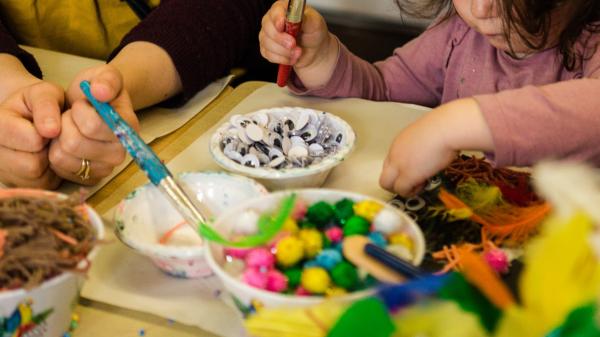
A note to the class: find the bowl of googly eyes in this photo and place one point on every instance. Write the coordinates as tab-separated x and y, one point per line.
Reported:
284	147
308	259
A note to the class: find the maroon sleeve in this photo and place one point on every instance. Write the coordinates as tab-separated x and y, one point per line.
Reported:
8	45
205	38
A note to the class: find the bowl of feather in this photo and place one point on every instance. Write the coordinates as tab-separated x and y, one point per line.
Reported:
47	240
297	248
284	147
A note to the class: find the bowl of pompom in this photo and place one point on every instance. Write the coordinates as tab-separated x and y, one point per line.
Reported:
48	240
303	263
284	147
147	223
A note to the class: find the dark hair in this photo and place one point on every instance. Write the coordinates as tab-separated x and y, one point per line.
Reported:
531	20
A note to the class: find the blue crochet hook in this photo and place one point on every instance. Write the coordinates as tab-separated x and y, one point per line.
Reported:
147	160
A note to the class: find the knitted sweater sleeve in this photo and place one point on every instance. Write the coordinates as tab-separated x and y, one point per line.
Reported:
205	39
8	45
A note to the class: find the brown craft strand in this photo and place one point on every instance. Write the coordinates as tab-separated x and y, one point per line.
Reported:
34	251
463	168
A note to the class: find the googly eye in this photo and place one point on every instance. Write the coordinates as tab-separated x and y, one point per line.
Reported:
414	203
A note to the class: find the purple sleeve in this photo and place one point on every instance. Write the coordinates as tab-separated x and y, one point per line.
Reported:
204	38
8	45
559	120
413	74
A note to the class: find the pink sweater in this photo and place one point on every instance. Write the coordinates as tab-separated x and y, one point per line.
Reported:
534	107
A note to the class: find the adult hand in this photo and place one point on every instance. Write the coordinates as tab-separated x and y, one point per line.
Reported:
85	136
29	118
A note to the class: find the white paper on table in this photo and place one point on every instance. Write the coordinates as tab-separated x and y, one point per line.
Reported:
120	277
155	122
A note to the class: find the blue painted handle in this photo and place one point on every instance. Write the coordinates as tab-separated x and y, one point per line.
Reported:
141	153
392	261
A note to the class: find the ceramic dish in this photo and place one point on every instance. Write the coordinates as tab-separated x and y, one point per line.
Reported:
283	148
145	216
245	296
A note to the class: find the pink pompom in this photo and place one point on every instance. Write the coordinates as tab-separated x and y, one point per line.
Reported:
260	258
498	260
299	211
237	253
300	291
276	281
334	234
255	278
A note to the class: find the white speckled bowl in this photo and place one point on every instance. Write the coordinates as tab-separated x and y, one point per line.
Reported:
57	296
276	179
245	296
145	215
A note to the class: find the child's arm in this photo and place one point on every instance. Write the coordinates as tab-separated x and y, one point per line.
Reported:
432	142
314	55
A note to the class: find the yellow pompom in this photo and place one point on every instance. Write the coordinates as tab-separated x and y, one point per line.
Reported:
367	209
290	225
289	251
315	280
401	239
313	241
335	291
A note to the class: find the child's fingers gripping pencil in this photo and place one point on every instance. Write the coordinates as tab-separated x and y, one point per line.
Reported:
293	22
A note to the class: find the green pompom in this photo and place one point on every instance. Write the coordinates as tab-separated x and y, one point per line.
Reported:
344	275
343	210
320	213
294	275
356	225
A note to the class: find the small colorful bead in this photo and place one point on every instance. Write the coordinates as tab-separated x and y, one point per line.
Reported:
315	280
335	291
260	258
276	281
290	225
387	222
343	210
300	209
293	276
313	241
401	239
289	251
356	225
320	213
255	278
498	260
328	258
378	239
345	275
367	209
335	234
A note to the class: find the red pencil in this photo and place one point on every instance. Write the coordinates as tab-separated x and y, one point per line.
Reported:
293	22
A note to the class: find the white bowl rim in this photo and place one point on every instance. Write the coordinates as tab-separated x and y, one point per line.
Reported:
166	251
303	300
95	220
271	173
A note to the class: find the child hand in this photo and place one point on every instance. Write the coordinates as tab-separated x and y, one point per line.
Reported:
84	134
431	143
29	117
314	51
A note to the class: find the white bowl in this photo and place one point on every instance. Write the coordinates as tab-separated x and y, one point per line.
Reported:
313	175
58	295
146	215
245	296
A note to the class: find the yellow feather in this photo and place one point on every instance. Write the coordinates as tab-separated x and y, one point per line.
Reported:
437	319
561	273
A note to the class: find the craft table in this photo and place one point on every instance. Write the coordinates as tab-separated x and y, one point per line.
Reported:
120	278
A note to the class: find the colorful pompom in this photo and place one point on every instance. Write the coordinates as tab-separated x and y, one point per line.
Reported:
312	240
367	209
289	251
315	280
260	258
